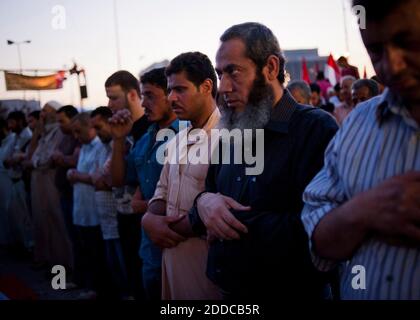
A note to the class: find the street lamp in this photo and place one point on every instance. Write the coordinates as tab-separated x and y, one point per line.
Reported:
18	43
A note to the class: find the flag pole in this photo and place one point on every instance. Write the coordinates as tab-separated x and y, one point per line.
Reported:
39	91
346	36
20	65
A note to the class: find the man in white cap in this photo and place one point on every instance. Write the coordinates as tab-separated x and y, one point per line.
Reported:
52	244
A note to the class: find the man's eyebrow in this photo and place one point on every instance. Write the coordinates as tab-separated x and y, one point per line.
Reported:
402	36
228	68
178	86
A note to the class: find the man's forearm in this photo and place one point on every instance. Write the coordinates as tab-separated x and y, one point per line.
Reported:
341	232
183	227
118	163
84	178
157	207
32	146
70	161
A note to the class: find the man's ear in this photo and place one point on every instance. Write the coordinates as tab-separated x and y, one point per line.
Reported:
271	68
207	86
132	95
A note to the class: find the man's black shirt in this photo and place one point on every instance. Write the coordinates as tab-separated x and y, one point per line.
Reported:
273	256
139	128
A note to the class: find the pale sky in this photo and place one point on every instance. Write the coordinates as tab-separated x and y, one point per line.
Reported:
154	30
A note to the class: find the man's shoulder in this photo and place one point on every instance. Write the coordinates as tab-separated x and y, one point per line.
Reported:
26	133
306	116
143	141
366	111
140	127
141	122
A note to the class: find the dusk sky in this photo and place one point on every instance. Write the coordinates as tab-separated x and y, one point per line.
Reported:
151	31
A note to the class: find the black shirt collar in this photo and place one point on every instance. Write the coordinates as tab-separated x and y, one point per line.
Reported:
282	113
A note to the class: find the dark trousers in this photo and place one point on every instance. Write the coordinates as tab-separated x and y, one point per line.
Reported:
129	228
152	280
66	203
91	260
116	266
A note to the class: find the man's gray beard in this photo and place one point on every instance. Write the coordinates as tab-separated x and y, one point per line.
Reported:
255	115
50	122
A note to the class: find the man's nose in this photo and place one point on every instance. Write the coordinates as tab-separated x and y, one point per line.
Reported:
225	85
395	59
172	96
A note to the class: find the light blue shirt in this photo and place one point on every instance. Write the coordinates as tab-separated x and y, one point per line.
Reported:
144	169
378	140
84	207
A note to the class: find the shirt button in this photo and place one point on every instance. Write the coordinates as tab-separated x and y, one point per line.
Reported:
254	179
238	179
147	180
148	161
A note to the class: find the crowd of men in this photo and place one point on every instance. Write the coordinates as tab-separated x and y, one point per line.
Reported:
339	189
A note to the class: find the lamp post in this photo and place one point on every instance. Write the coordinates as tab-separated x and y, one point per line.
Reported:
18	43
117	36
10	42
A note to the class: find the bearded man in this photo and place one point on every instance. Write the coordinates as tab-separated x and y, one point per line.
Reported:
258	244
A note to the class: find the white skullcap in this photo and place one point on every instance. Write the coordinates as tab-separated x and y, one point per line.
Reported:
54	104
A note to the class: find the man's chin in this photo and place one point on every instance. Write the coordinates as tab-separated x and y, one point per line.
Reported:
151	117
181	116
410	96
236	107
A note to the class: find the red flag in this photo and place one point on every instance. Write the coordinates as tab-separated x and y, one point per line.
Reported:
364	73
59	78
305	72
332	72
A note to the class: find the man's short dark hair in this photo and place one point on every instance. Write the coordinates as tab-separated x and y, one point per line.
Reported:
342	59
315	88
337	87
302	86
376	79
156	77
17	116
124	79
103	112
83	118
35	114
320	75
68	110
260	43
370	84
378	10
197	66
3	126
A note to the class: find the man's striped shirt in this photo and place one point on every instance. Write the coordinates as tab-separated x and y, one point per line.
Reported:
378	140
